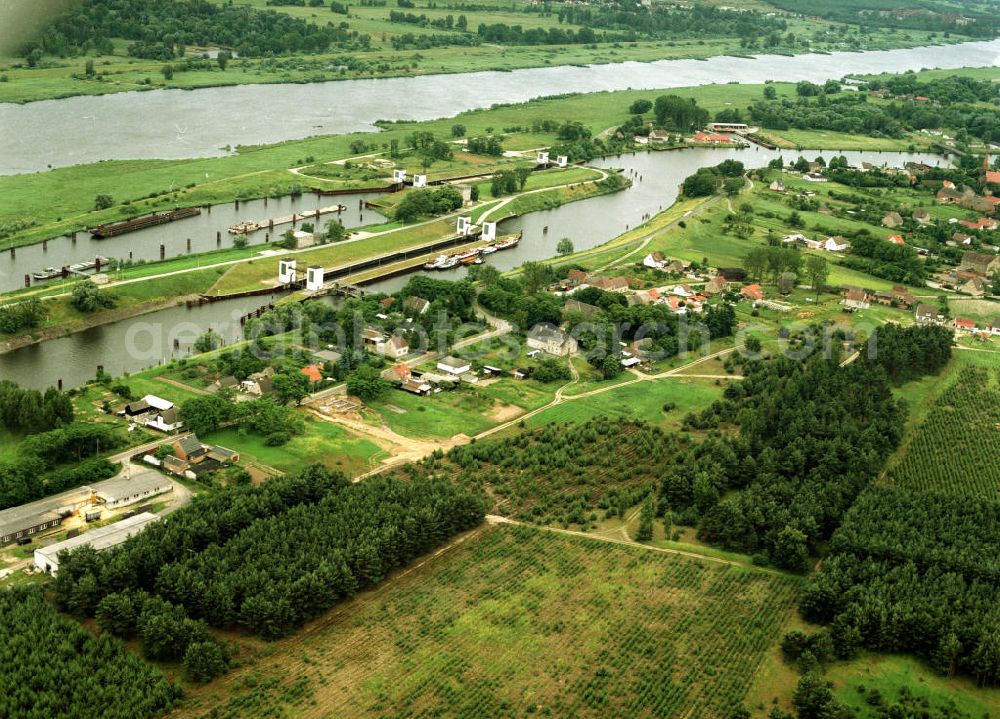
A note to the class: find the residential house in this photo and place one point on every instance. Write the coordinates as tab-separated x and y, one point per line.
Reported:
259	383
654	260
549	338
175	466
892	220
577	277
983	223
575	307
416	305
454	365
974	286
980	262
991	177
928	314
903	298
147	405
189	449
222	383
952	196
811	177
921	215
611	284
165	420
960	238
856	299
393	347
965	324
415	385
659	136
313	372
328	357
717	285
777	186
752	292
897	239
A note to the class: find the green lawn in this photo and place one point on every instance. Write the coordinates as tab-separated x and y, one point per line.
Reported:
440	416
322	443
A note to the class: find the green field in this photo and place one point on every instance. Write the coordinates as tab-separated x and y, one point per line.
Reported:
892	674
640	400
516	621
322	443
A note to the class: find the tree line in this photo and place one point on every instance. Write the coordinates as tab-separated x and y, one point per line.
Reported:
161	29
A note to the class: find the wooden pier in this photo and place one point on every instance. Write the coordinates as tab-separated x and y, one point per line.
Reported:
270	224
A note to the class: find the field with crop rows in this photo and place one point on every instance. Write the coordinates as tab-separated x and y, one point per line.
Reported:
517	621
957	448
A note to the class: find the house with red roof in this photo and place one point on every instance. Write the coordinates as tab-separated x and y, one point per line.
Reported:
314	372
992	177
712	138
964	323
896	239
983	223
752	292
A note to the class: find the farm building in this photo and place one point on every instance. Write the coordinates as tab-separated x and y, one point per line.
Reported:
122	491
29	519
47	558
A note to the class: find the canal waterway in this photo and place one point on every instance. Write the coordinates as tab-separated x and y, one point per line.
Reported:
201	233
141	342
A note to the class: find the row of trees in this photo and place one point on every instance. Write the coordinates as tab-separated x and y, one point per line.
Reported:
161	28
28	410
18	316
271	557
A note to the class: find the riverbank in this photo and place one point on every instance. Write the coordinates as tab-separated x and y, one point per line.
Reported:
56	79
98	319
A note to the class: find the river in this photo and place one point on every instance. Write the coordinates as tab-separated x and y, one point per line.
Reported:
202	233
142	342
175	124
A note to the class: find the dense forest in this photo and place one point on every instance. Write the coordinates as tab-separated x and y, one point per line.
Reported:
269	558
809	442
917	572
561	473
55	669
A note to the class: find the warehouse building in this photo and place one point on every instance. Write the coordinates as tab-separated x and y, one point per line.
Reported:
47	558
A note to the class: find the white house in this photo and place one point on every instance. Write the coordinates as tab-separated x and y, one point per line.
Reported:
562	161
420	180
314	278
286	270
165	420
399	176
489	231
835	244
809	177
464	225
394	347
543	157
454	365
549	338
655	261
